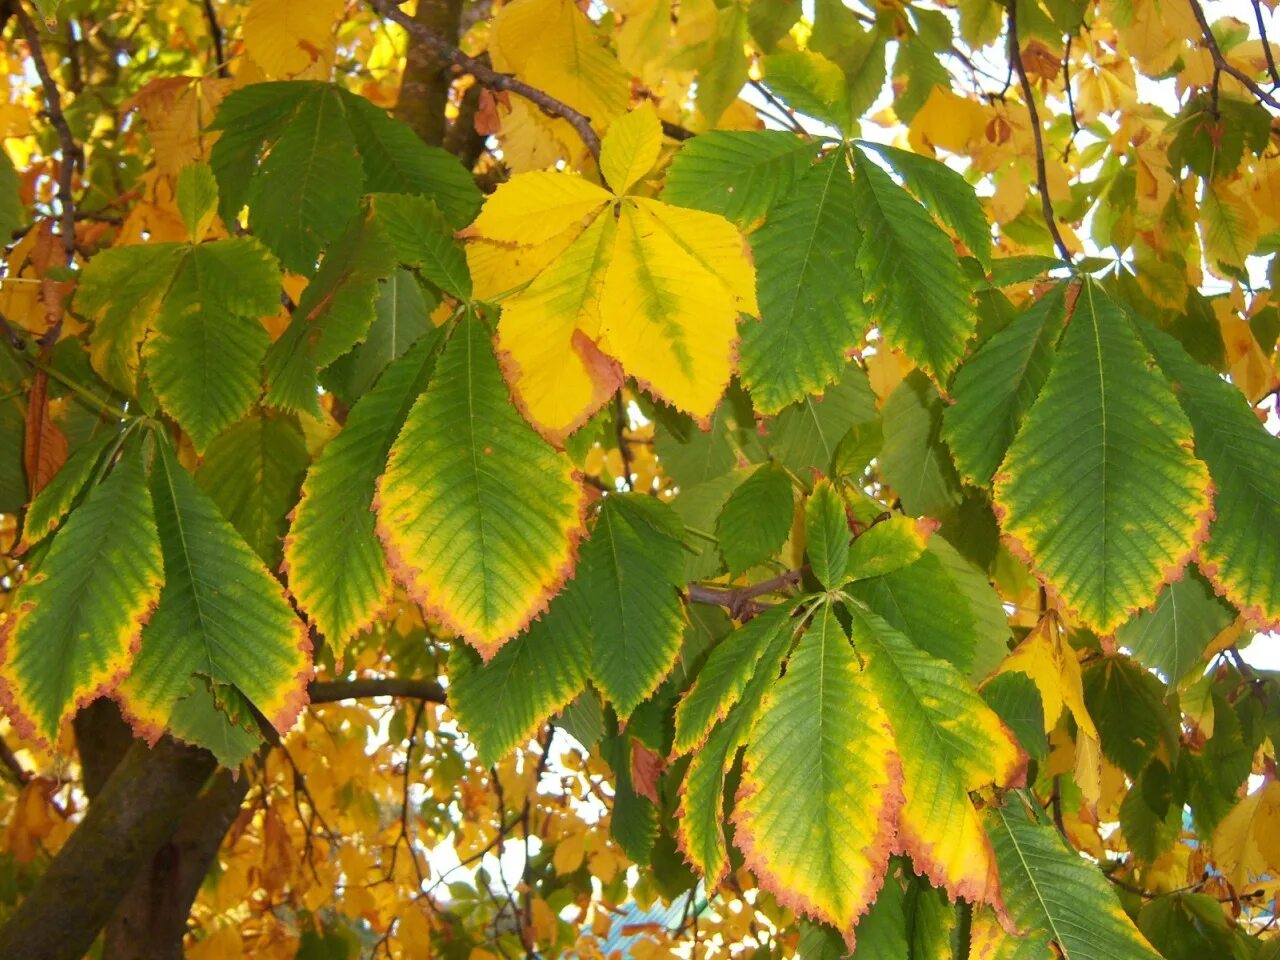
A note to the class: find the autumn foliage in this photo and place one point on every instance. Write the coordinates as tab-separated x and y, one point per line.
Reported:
749	478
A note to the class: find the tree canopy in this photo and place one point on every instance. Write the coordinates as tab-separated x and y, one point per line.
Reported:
748	478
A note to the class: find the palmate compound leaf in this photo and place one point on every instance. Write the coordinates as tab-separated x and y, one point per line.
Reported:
479	516
204	358
617	284
821	784
950	743
1053	894
1242	554
501	703
997	385
632	572
700	819
811	311
73	627
1100	489
916	289
334	563
220	616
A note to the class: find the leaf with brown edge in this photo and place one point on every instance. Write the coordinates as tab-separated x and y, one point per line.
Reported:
74	626
821	784
950	743
480	517
44	446
1100	489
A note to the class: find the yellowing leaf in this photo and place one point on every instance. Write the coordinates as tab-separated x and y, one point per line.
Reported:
820	791
1051	663
550	44
532	208
285	37
630	148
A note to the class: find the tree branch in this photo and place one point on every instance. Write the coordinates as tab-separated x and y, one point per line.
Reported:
72	154
331	691
741	601
490	78
215	37
1220	62
1042	174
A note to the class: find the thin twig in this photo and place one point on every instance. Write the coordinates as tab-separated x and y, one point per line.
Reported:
777	104
487	77
1220	62
215	37
620	423
331	691
1042	174
1071	103
72	154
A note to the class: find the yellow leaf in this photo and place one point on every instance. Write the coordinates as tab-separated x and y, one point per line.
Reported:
630	148
552	45
1247	841
414	934
286	37
669	321
946	121
1229	226
1248	365
569	853
532	208
544	921
1051	664
557	374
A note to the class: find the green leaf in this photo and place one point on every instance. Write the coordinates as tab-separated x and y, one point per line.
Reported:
197	719
220	616
55	499
205	357
423	240
724	677
1127	706
121	290
756	519
337	572
1016	701
811	311
806	435
1172	636
13	214
914	461
1150	817
75	624
810	83
739	174
820	795
887	546
632	569
333	314
701	817
395	160
691	455
479	515
945	193
950	743
309	184
253	472
918	293
196	195
826	533
926	603
501	704
1241	558
1058	895
1100	488
401	316
997	385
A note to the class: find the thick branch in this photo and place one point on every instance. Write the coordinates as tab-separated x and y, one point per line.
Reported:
72	155
424	88
741	601
138	810
1220	62
487	76
1042	174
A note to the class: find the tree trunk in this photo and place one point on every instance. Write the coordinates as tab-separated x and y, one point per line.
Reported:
424	90
138	810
